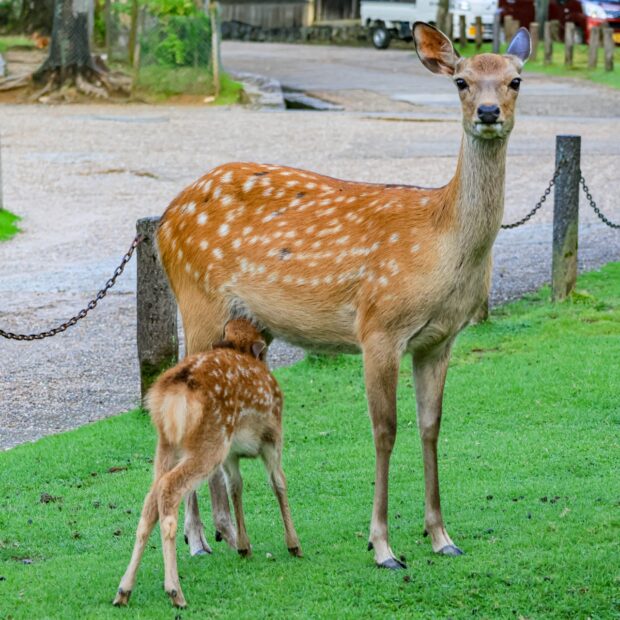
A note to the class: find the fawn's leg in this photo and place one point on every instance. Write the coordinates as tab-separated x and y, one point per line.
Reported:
272	457
203	324
172	487
429	371
381	363
235	483
164	461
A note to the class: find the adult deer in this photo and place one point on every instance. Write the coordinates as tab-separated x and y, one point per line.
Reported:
344	266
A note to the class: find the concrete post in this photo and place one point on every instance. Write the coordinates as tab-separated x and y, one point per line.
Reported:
158	341
565	216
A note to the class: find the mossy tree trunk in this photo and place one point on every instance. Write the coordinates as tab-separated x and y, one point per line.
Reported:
69	53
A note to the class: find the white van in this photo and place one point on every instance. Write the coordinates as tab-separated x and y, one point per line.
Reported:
389	19
472	9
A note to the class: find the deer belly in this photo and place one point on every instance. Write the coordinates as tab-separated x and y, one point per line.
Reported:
309	321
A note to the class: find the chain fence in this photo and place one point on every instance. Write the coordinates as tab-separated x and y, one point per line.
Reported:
138	239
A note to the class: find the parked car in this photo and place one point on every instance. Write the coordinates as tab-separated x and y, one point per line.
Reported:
392	19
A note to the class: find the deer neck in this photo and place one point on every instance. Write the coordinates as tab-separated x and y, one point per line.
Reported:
478	187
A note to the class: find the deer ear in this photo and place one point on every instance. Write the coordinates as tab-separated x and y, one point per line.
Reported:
434	49
520	46
257	349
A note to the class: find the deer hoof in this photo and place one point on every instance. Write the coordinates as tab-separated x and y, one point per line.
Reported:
218	536
177	598
244	553
296	552
370	546
392	564
122	598
200	552
451	550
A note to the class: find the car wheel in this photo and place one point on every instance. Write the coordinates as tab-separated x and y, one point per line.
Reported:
579	39
381	38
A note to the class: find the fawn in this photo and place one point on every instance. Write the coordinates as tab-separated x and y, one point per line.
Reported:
211	409
338	265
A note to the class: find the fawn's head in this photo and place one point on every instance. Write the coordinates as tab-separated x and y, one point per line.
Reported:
242	336
488	84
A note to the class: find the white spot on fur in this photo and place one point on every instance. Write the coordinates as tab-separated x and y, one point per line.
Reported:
224	229
227	178
236	244
218	253
424	201
203	244
227	200
394	237
415	248
202	219
246	231
249	184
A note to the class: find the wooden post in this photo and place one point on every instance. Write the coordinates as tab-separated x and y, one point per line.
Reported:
548	59
507	28
478	31
569	43
462	31
608	47
565	216
555	29
215	48
496	31
534	30
158	342
593	45
108	29
136	50
449	32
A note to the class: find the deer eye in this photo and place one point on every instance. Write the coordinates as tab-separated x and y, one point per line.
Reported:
515	84
461	84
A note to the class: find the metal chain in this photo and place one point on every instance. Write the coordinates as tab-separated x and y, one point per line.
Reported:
82	313
537	206
593	204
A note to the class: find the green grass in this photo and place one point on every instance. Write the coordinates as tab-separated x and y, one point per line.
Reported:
8	224
529	464
7	43
165	82
579	69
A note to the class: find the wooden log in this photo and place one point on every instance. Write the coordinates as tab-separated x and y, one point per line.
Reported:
158	342
548	43
462	31
593	45
565	216
497	28
215	49
608	47
534	30
555	29
569	43
478	32
449	31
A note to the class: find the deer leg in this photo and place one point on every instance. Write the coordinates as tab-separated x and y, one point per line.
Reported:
203	324
272	457
429	372
164	460
235	482
381	363
172	487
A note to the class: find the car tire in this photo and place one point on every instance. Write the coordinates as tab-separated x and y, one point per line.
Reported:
381	37
579	38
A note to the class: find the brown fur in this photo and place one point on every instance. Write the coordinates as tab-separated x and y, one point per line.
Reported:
346	266
210	410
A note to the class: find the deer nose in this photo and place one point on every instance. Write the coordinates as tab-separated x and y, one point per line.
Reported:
488	114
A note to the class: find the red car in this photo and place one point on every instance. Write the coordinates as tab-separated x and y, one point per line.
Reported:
583	13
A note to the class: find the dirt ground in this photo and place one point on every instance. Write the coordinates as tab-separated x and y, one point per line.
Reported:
80	176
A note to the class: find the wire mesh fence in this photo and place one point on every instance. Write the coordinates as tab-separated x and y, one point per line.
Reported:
170	52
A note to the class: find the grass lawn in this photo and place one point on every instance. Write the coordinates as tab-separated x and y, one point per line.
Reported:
8	224
529	462
7	42
579	70
161	83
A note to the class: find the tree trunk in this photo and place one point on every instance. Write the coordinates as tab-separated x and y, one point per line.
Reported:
36	16
69	55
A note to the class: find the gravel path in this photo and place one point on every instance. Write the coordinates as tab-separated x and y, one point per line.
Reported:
81	176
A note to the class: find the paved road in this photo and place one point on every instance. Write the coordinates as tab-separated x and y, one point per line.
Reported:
82	175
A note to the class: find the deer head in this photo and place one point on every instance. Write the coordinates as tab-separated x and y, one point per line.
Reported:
488	84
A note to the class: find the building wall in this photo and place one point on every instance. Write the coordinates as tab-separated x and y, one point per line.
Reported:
269	14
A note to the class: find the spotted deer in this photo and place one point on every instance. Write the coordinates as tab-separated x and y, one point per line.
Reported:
355	267
211	409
